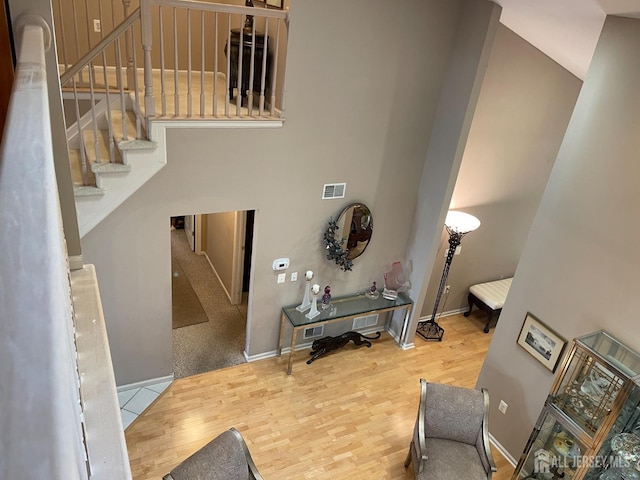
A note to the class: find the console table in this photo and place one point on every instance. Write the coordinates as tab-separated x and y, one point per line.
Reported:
341	308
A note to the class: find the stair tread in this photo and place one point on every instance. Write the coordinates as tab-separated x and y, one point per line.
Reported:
103	145
87	191
137	145
107	167
75	159
117	127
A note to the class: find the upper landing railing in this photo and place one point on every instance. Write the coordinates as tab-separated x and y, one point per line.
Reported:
192	65
219	29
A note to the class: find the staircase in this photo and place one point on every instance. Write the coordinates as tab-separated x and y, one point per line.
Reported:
121	111
108	165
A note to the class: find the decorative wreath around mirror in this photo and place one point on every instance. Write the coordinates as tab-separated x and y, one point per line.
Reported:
348	237
335	247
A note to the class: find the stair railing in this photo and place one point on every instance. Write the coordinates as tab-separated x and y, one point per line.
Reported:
39	378
193	66
200	50
80	28
57	423
107	92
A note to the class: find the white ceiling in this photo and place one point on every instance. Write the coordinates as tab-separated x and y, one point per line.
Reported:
565	30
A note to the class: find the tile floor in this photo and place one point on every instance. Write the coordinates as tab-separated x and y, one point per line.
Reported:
136	400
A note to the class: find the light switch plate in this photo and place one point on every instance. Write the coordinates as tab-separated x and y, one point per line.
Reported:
282	277
280	264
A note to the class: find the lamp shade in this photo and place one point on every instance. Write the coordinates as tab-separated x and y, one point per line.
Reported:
460	222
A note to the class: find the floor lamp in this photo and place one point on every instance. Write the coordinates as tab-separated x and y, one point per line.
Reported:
458	224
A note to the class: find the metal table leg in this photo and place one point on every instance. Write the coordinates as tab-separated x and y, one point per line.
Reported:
293	347
282	322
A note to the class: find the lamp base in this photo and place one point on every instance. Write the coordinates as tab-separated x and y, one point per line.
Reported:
430	330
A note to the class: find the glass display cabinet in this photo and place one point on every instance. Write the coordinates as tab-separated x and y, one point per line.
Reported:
589	427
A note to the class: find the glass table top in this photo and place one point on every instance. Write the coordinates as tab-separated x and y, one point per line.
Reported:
613	351
347	306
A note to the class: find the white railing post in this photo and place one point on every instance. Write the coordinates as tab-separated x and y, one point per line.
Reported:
128	48
147	40
245	57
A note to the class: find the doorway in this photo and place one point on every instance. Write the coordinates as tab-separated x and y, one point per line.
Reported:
211	259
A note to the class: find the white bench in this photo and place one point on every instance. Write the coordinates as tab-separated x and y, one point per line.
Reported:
489	297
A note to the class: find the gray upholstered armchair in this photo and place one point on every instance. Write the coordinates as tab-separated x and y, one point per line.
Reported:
450	437
226	457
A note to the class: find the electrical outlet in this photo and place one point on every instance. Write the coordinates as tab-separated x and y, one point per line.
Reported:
294	276
97	26
457	252
447	289
503	407
282	277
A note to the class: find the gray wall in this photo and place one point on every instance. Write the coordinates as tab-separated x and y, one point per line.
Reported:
523	111
477	26
361	100
219	242
578	272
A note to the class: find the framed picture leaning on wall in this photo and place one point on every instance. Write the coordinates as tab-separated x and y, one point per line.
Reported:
541	342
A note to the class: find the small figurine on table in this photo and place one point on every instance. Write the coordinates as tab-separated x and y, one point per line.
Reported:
373	291
326	298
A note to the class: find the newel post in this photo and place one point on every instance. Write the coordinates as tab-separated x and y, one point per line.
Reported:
145	21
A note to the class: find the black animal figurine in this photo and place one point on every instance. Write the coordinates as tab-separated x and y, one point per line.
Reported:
325	345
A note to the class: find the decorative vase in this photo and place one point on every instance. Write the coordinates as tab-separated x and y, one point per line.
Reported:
306	301
372	292
313	313
326	298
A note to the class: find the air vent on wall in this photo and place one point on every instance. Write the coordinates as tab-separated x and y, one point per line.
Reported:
333	190
313	331
364	322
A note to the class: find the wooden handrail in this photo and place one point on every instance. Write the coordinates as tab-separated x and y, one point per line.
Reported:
220	8
59	394
37	370
95	51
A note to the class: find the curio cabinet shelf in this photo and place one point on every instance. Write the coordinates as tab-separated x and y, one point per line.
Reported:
589	427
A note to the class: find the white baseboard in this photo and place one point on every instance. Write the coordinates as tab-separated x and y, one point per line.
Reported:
273	353
226	292
260	356
145	383
300	346
411	345
394	335
448	313
502	450
391	332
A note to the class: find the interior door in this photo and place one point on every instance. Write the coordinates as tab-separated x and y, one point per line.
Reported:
190	230
237	273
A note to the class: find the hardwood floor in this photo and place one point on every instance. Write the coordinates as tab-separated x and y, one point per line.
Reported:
348	415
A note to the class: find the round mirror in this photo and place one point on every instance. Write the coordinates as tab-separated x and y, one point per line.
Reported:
355	226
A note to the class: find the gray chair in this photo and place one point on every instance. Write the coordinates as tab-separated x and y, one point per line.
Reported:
226	457
450	436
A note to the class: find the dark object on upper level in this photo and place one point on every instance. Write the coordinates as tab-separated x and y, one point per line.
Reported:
258	60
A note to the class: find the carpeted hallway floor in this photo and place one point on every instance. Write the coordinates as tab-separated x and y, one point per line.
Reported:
219	342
